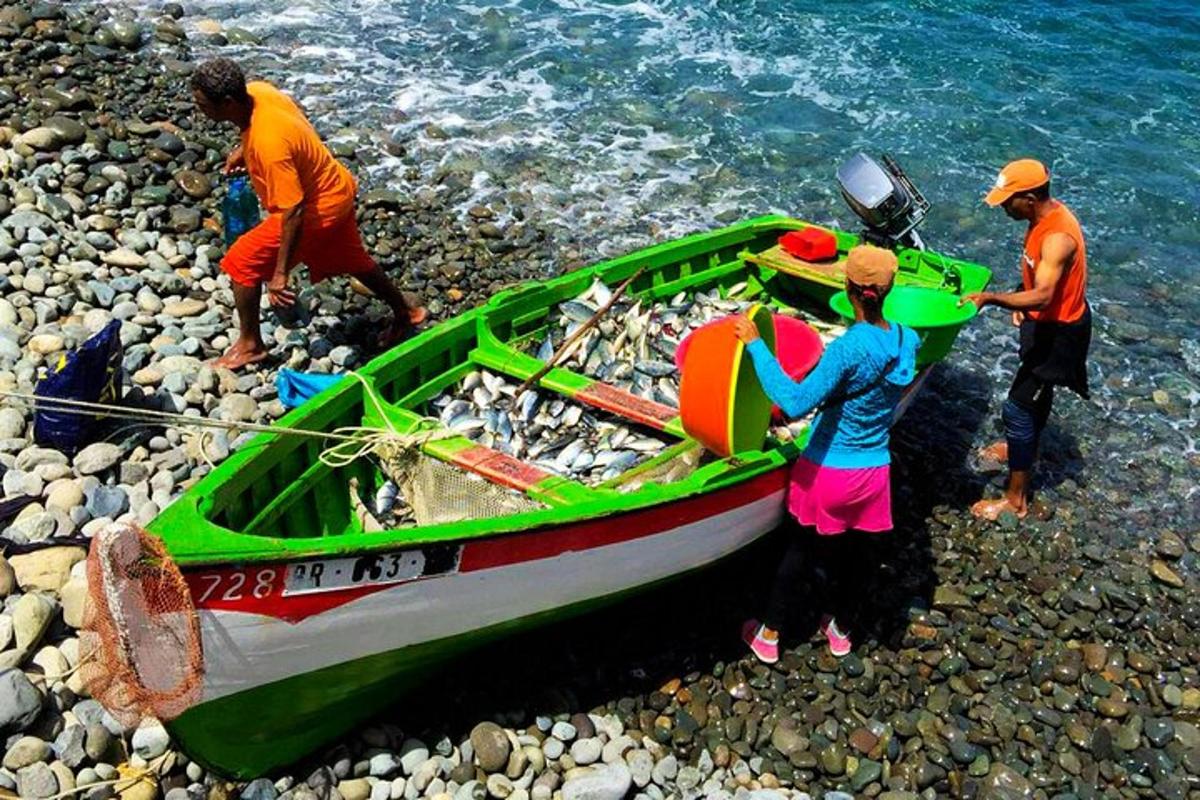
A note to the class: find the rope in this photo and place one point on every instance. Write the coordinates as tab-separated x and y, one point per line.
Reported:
388	444
151	415
353	442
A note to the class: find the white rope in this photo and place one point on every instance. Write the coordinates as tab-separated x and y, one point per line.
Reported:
387	443
353	442
152	416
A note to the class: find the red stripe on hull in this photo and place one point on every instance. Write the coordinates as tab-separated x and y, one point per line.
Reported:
498	551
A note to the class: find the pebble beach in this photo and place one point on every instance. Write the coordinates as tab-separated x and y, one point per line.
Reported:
1056	657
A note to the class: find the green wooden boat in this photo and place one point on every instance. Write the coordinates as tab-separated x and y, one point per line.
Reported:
309	623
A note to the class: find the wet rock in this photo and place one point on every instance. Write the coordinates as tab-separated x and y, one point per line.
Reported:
1112	708
1165	574
1005	783
833	759
194	184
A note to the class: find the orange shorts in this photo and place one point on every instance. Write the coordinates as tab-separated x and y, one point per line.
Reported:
335	249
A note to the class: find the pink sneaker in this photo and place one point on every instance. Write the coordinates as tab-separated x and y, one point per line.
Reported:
839	641
765	651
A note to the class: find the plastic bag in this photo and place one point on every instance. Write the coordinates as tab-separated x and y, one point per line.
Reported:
296	387
90	373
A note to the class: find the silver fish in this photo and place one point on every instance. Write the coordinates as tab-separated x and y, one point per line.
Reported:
621	463
504	428
493	383
567	457
482	397
546	349
577	311
385	498
453	409
526	405
665	391
466	422
644	444
601	293
655	369
618	437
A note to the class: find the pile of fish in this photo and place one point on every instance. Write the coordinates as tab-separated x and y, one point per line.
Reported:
633	345
542	428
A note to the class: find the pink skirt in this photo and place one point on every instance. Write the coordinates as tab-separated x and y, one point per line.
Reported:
835	500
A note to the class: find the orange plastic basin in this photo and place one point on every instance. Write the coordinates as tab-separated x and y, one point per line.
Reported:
721	403
797	346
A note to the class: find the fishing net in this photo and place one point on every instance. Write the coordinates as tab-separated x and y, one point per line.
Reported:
141	636
438	493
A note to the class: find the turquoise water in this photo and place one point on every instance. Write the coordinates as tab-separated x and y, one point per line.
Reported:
648	117
625	123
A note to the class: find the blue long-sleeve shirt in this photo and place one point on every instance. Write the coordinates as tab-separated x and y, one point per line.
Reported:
853	433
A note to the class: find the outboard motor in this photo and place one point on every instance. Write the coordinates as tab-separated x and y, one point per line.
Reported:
885	199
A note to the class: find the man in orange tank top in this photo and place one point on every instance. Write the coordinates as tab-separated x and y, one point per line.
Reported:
309	198
1052	311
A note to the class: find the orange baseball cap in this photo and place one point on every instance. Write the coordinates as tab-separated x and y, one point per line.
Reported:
1017	176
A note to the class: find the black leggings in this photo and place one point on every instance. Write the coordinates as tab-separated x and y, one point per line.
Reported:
839	568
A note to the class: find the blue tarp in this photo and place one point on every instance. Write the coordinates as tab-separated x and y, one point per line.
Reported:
296	387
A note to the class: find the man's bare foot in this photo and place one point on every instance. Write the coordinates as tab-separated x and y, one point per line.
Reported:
996	451
241	354
992	509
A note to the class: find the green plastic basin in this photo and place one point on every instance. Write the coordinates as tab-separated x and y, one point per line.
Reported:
935	315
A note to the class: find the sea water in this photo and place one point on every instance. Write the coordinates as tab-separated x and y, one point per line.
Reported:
626	123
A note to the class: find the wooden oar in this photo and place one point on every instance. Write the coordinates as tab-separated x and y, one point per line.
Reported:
566	346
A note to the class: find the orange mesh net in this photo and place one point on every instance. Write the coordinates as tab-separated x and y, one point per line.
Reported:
141	637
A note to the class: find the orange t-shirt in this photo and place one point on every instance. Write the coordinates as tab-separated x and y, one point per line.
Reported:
288	162
1070	295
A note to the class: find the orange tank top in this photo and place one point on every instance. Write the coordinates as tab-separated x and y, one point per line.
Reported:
1069	300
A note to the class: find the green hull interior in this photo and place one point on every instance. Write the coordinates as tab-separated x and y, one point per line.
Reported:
274	500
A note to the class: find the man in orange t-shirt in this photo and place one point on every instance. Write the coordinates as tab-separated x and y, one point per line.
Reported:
309	198
1052	312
